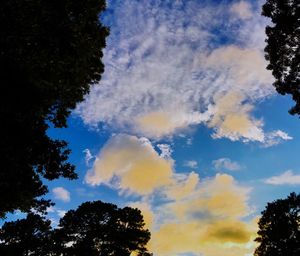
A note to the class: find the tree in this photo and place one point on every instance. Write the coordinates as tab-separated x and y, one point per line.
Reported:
50	55
283	47
102	229
279	228
29	236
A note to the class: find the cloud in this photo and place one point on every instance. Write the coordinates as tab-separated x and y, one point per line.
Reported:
166	69
185	214
61	213
226	163
88	156
165	149
191	164
286	178
276	137
242	10
183	185
62	194
131	164
232	120
206	219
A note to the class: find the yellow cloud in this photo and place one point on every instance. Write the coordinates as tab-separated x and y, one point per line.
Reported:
233	231
186	214
130	164
156	124
232	119
229	238
183	188
205	221
147	213
165	122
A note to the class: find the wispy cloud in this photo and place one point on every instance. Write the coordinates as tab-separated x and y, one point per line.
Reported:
88	156
166	69
242	9
286	178
227	164
276	137
191	164
62	194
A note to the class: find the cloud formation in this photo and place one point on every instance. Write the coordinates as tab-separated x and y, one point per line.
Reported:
169	68
130	164
184	213
286	178
203	218
276	137
62	194
191	164
227	164
242	9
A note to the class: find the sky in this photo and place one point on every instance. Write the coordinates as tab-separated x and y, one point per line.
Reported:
185	125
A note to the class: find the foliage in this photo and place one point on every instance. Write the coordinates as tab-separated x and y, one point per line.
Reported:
98	228
283	47
95	228
279	228
50	55
29	236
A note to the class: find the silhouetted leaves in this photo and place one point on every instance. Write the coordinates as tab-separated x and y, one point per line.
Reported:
98	228
29	236
50	55
94	229
283	47
279	228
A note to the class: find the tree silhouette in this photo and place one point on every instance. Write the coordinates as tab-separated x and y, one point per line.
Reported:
94	229
50	55
29	236
283	47
98	228
279	228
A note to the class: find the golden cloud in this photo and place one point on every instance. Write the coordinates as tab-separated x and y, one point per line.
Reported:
130	164
185	214
232	119
205	221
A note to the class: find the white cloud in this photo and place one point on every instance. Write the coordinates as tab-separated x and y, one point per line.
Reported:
242	10
226	163
191	164
61	213
286	178
56	210
88	156
165	71
62	194
165	150
276	137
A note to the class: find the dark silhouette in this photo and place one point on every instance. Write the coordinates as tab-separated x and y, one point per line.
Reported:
279	228
50	55
98	228
29	236
283	47
94	229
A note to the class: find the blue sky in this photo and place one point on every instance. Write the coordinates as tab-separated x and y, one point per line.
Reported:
185	125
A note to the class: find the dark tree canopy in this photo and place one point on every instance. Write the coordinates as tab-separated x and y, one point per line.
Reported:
50	55
94	229
279	228
98	228
283	47
29	236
